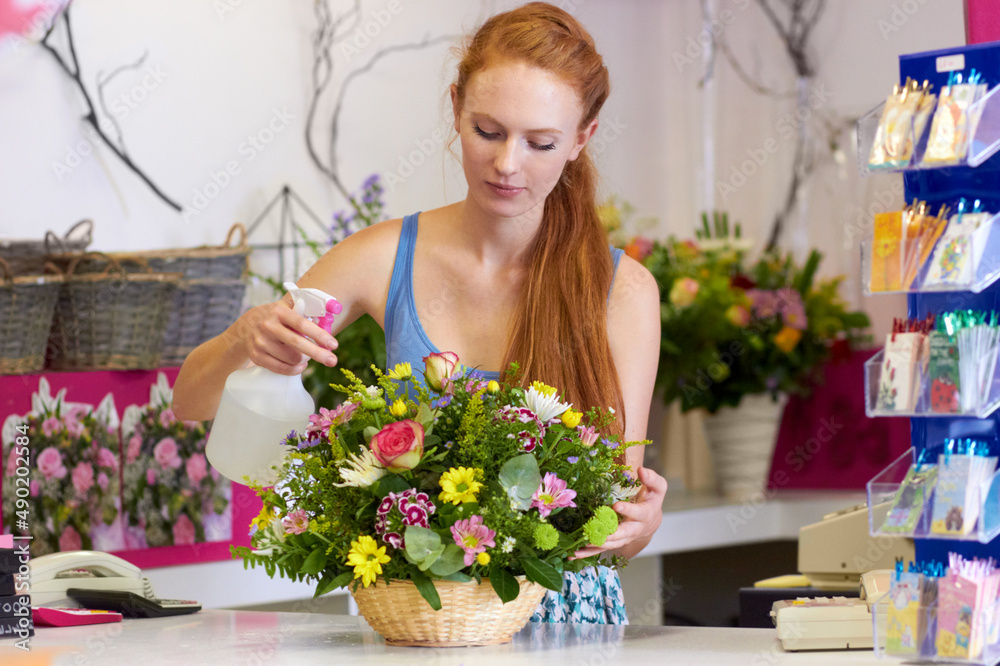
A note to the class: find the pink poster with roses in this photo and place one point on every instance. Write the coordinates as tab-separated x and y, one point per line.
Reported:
112	469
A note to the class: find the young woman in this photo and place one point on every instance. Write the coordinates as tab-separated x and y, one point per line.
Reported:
520	270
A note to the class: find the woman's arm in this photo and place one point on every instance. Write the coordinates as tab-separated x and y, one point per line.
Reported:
634	333
356	271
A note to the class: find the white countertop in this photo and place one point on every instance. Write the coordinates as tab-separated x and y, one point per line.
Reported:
219	637
690	523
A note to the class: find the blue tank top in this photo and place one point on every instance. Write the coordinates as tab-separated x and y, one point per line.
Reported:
405	338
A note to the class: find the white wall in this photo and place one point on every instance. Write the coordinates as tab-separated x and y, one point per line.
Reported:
228	69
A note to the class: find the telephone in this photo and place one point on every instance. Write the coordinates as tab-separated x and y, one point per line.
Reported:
52	575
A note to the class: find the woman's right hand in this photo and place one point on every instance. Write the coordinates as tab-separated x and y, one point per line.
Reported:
277	338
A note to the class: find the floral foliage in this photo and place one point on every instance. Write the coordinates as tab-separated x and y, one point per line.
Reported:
468	480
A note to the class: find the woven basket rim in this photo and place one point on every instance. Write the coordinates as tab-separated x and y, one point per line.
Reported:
30	280
127	277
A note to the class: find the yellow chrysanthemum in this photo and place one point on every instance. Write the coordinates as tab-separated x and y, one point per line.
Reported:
483	558
398	408
571	418
367	559
544	389
264	518
401	372
459	485
493	386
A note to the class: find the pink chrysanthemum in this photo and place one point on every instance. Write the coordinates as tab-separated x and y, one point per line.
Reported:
329	418
552	494
473	537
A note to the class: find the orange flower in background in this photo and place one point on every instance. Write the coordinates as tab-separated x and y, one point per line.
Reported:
639	248
787	338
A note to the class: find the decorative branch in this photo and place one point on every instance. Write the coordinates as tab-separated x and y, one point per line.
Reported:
91	116
103	81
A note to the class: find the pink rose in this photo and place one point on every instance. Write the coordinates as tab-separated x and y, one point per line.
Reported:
684	292
73	427
107	459
51	426
165	453
183	531
102	481
70	539
150	477
399	446
83	478
196	468
296	522
167	417
50	464
439	367
133	449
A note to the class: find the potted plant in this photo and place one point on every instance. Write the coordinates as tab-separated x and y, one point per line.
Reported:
448	506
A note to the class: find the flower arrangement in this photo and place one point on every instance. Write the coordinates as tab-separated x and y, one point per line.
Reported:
732	326
171	495
456	478
73	498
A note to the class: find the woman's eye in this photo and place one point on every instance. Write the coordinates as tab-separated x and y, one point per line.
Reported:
481	132
547	146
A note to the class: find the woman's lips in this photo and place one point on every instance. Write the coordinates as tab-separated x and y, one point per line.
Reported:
505	190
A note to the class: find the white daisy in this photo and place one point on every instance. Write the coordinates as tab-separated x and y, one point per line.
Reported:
508	544
545	406
360	471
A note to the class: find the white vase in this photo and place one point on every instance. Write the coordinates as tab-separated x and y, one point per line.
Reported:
742	441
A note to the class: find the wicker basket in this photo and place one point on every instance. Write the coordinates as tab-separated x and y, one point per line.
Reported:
25	256
471	613
112	320
202	309
27	304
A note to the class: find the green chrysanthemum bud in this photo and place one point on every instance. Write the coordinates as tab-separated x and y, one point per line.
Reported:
546	536
601	525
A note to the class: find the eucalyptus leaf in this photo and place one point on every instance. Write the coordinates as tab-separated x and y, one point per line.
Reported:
431	559
458	577
520	477
421	545
370	432
450	561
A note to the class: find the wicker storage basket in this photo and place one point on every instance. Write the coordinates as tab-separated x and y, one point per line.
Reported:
202	309
112	320
27	304
471	613
25	256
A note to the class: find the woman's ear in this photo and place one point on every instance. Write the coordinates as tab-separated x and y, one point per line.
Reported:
454	106
582	137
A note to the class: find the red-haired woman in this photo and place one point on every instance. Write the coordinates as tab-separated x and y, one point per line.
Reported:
520	270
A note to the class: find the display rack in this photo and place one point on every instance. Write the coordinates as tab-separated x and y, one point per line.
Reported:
978	178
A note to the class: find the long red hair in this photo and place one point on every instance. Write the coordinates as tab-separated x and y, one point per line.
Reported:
559	335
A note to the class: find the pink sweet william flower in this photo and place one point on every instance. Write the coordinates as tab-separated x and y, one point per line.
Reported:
50	464
83	478
107	459
133	449
183	531
102	481
70	539
51	426
165	453
167	418
588	435
296	522
196	468
552	494
150	477
472	536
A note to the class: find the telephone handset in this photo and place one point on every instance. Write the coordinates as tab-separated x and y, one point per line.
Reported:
53	574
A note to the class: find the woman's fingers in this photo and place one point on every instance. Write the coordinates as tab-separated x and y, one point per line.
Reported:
278	340
638	519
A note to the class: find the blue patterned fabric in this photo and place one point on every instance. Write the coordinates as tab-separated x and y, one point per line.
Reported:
592	596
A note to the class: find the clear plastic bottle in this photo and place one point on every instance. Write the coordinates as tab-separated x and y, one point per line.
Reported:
259	408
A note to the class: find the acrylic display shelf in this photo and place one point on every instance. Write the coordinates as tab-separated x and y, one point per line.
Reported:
984	244
984	144
928	647
923	406
882	491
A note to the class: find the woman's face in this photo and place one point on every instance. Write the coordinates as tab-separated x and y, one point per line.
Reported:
519	125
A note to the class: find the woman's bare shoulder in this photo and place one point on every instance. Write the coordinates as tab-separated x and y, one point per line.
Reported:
635	290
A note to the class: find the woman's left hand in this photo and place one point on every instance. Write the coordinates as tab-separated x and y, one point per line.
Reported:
638	520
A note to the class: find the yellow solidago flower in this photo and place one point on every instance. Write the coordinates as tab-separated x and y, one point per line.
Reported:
367	559
401	372
398	408
571	418
483	558
459	485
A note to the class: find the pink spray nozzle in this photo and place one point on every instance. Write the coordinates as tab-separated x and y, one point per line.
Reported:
333	306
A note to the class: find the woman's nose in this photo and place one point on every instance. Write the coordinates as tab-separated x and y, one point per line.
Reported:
507	158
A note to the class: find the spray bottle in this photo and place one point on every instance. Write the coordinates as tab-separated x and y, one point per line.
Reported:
259	408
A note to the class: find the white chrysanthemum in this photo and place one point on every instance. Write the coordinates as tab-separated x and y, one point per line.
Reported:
545	407
360	471
508	544
623	494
